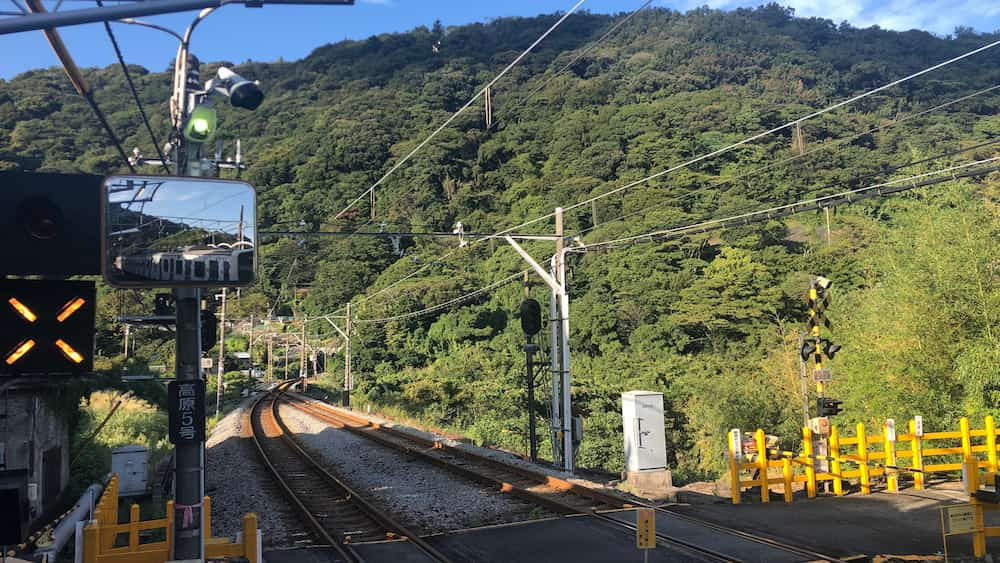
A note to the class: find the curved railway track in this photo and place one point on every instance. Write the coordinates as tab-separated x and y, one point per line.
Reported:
338	515
553	493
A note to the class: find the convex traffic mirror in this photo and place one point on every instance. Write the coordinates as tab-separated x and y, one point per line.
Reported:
162	231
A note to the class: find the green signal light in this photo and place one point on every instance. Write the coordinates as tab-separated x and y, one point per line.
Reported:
201	125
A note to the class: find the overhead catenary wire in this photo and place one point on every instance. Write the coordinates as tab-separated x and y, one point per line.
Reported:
760	135
76	79
831	200
890	170
709	155
135	94
460	110
450	303
576	58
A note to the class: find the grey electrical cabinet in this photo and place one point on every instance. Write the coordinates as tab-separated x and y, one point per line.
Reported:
131	463
645	444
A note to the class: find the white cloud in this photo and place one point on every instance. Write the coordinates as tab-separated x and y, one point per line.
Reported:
937	16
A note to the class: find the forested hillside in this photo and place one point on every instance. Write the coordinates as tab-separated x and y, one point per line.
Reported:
710	320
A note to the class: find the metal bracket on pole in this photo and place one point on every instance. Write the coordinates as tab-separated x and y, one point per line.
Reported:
559	321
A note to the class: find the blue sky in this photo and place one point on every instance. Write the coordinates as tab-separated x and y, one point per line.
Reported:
236	33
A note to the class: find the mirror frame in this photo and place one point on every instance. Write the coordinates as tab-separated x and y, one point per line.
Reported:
156	284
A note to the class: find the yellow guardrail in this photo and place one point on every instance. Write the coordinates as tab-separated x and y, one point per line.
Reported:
862	457
103	540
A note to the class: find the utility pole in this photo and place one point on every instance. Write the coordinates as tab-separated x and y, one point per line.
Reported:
286	357
127	326
555	278
348	376
250	343
270	357
222	356
189	464
303	366
567	409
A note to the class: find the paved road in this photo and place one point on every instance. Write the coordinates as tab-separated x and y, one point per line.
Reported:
907	522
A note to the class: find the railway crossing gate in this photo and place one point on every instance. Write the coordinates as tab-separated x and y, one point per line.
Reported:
863	457
105	540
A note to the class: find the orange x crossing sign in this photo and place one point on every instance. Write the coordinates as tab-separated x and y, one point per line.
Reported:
48	327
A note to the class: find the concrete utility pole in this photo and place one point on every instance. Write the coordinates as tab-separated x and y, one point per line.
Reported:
303	366
189	464
220	372
270	357
286	357
348	376
555	278
345	333
250	342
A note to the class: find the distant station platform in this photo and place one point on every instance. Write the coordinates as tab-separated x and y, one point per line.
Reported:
583	538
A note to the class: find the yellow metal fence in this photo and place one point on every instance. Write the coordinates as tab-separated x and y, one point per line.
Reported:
105	540
864	457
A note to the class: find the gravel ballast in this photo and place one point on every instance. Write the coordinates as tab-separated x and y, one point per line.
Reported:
238	483
418	495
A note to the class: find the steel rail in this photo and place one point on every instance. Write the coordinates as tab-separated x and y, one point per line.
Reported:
553	493
750	536
383	520
427	447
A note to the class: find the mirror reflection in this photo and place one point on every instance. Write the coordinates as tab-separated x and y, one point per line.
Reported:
172	232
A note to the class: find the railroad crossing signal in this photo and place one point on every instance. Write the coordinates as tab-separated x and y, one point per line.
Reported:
825	406
48	327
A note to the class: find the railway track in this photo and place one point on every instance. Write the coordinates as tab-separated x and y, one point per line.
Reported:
564	497
338	515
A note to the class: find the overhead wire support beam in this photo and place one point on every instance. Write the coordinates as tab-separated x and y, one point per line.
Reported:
48	20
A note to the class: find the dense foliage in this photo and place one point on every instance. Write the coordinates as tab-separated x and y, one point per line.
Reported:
711	320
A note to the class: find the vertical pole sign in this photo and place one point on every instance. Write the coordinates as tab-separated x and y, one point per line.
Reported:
186	403
645	530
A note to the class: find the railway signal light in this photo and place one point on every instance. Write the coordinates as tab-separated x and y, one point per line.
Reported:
531	317
209	329
202	124
825	406
50	224
48	327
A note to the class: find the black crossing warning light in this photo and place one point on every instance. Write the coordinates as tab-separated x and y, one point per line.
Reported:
48	327
825	406
829	348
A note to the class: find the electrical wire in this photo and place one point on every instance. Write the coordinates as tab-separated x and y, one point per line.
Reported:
135	93
713	153
461	109
76	79
848	196
579	56
448	304
744	218
890	170
760	135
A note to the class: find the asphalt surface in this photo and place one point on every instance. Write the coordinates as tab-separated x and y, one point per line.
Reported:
580	539
904	523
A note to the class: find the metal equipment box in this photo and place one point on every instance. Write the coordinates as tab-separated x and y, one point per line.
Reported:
645	443
131	463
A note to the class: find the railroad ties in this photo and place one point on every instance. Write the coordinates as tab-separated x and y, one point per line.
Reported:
696	539
337	514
